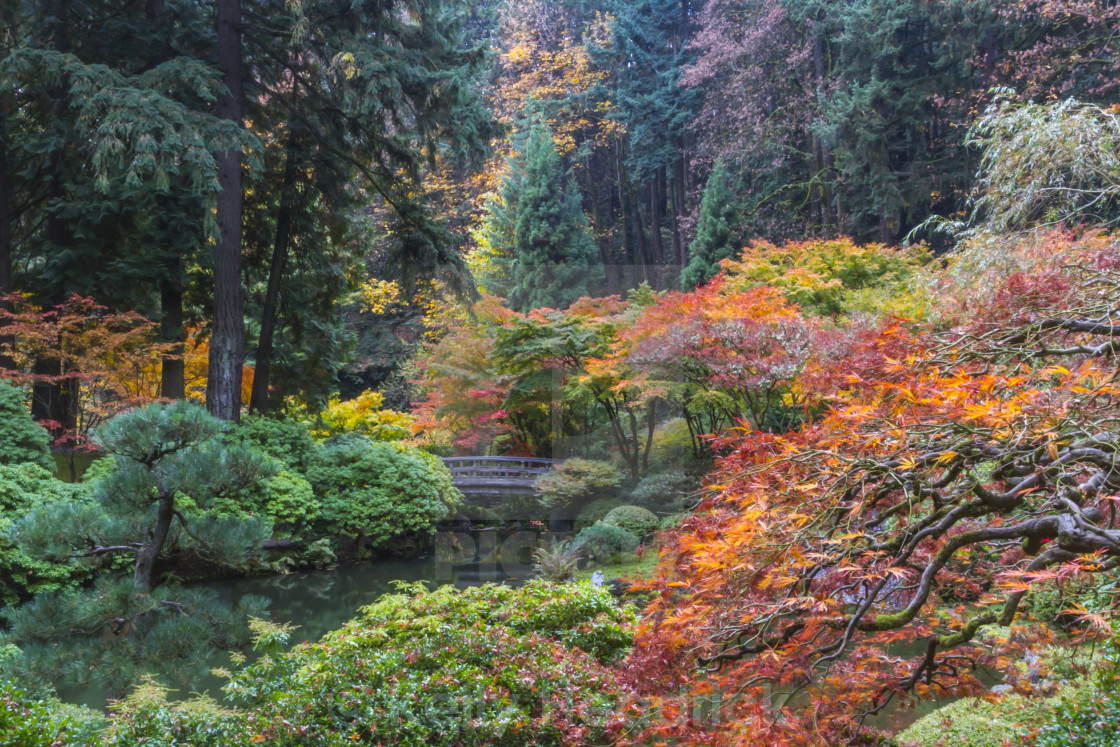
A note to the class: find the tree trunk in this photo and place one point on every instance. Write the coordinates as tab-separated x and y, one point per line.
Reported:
680	206
227	345
624	233
51	401
173	384
6	288
258	402
5	205
651	426
655	187
827	160
146	558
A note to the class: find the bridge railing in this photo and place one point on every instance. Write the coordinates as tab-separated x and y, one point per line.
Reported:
497	470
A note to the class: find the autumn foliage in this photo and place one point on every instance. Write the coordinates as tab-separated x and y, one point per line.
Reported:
891	549
96	359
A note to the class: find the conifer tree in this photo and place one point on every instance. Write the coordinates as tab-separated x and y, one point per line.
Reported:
716	231
169	470
555	258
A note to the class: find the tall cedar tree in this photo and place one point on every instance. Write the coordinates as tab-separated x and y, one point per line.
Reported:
227	345
109	174
556	260
350	118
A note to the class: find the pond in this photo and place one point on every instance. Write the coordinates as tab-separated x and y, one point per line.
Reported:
314	601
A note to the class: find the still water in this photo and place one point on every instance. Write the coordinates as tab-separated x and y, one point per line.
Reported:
314	601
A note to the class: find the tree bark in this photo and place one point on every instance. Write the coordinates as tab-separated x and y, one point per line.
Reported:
655	191
822	149
146	558
52	401
680	205
173	379
5	205
6	287
259	401
227	344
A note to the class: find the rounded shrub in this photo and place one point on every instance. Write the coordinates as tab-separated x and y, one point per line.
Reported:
576	481
29	721
635	519
378	491
289	503
281	438
606	543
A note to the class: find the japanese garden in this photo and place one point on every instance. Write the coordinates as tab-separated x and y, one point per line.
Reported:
559	372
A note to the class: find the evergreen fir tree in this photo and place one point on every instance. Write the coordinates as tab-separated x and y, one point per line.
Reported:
717	234
491	260
555	258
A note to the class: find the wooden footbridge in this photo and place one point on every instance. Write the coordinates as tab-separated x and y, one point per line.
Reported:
496	476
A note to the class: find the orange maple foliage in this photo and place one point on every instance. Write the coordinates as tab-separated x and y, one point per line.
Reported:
94	356
853	565
145	381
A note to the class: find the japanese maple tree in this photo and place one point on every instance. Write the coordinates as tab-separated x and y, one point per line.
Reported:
958	476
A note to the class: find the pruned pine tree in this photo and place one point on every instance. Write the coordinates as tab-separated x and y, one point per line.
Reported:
169	471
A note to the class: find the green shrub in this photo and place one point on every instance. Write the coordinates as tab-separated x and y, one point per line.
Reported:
28	721
290	504
485	666
99	468
595	511
146	718
24	487
381	490
576	481
286	500
1088	716
634	519
281	438
606	543
1084	717
665	490
22	440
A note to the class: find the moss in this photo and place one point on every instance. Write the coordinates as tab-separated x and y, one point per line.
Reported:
890	621
978	722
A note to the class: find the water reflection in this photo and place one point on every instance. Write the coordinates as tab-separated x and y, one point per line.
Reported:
320	601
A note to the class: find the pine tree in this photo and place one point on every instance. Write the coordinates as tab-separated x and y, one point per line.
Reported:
555	257
716	231
170	468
